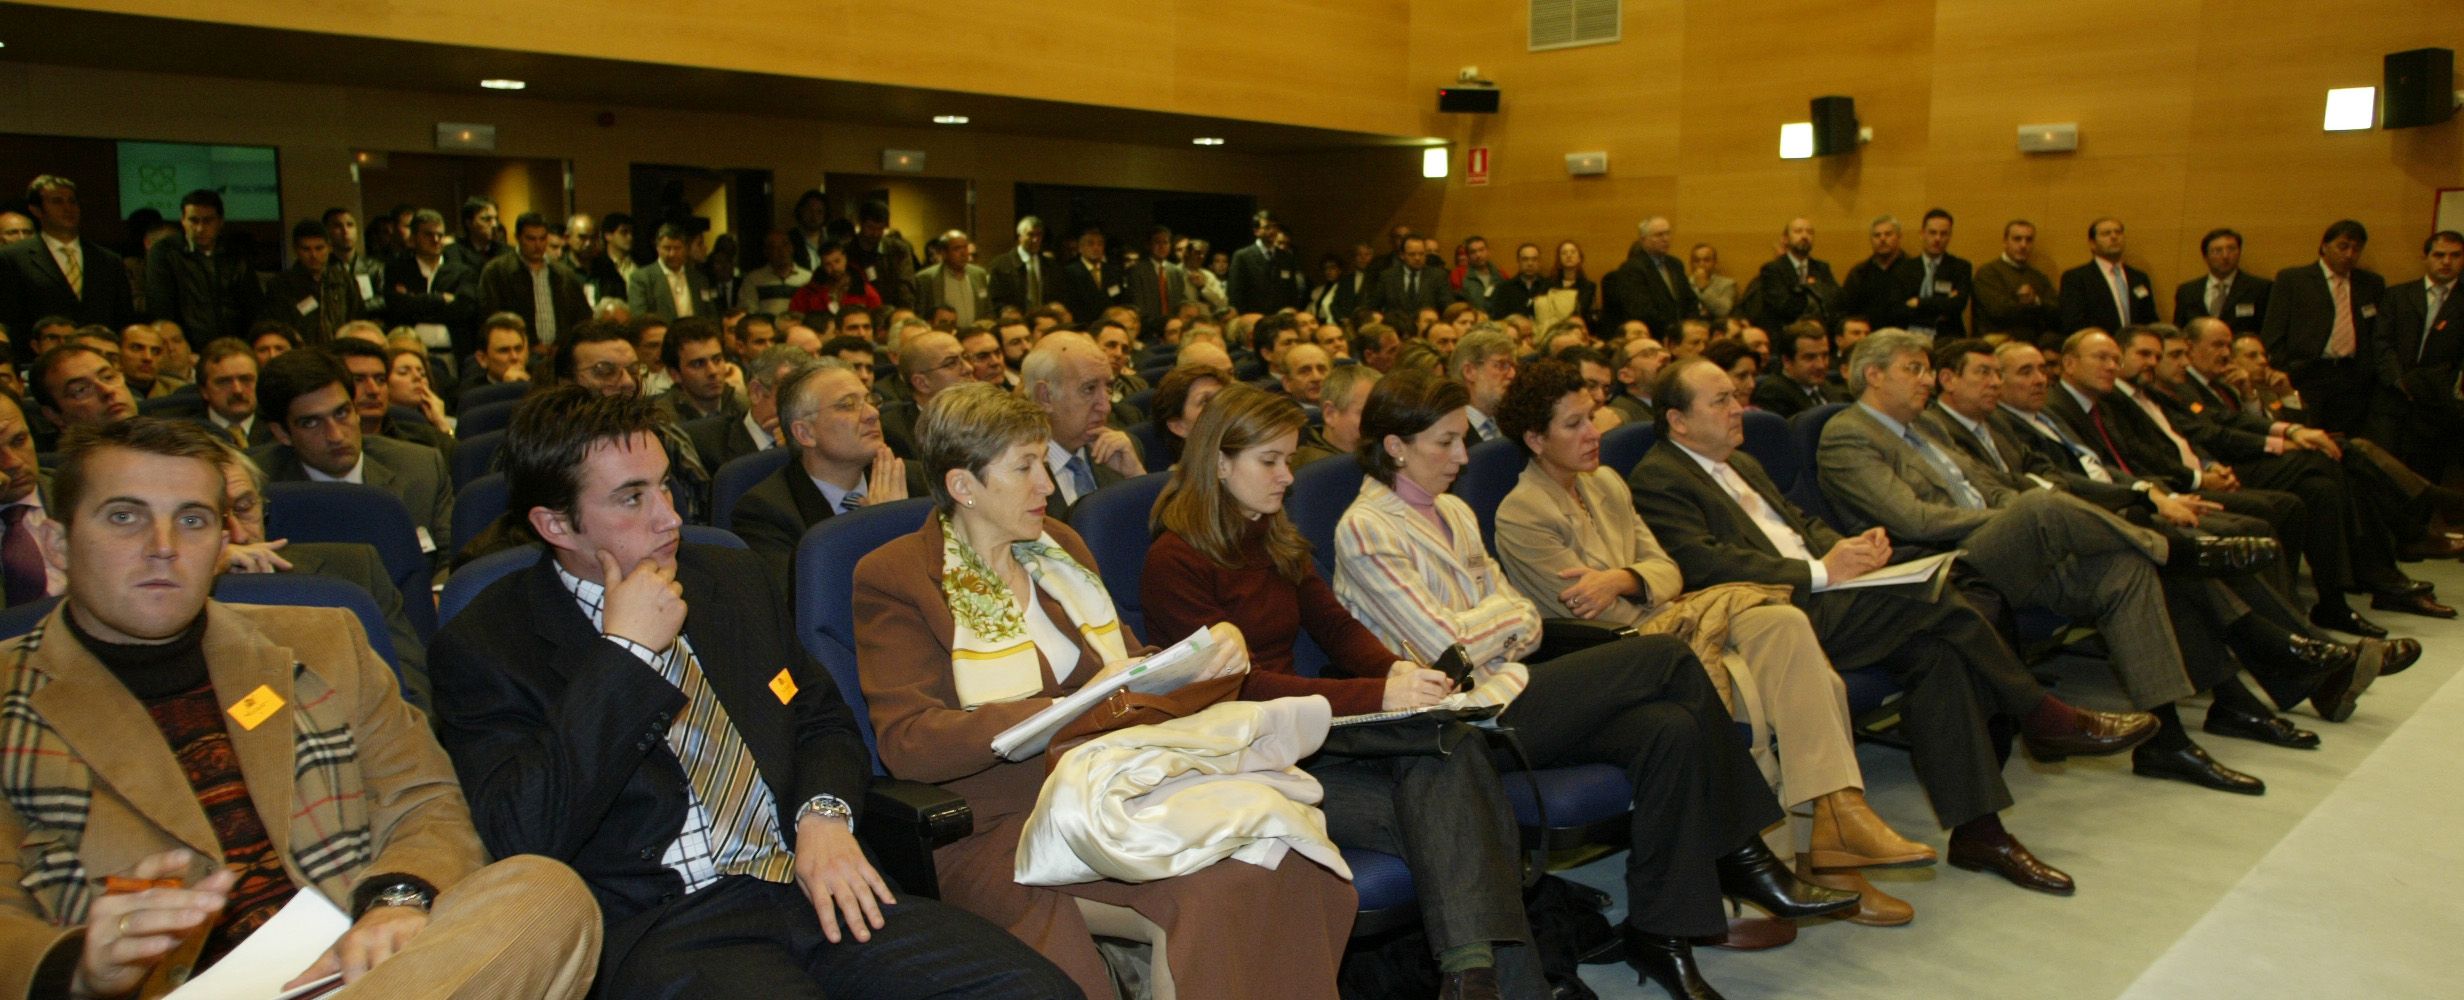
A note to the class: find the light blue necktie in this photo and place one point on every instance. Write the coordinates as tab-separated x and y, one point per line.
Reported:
1081	475
1967	495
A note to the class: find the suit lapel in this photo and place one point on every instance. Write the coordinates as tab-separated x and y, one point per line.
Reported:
374	472
811	507
117	738
1741	525
241	662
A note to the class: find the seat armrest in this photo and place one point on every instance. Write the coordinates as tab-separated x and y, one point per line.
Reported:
905	821
1560	636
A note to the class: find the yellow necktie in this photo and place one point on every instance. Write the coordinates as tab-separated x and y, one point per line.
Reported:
75	269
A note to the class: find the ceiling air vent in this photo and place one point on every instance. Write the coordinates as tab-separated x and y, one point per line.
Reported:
1561	24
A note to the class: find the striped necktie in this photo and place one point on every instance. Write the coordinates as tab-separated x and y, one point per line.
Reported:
721	770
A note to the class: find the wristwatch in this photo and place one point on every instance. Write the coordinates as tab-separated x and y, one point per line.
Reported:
828	806
403	894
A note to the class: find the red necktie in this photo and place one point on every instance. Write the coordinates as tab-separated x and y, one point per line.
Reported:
2097	417
21	558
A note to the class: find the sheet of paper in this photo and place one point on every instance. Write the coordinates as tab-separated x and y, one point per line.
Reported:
1912	571
279	951
1161	673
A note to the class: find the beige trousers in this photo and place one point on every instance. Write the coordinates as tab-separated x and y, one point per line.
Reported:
1804	702
523	927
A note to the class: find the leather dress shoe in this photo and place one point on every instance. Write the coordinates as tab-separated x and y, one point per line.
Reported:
1875	908
2229	556
2340	691
2268	729
2398	656
2412	604
1752	934
1669	961
2414	587
2003	854
2192	764
1469	984
2099	734
1752	874
2346	620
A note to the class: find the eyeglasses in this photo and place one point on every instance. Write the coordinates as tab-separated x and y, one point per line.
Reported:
85	389
606	370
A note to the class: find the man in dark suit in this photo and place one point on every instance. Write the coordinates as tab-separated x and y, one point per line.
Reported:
482	236
2322	329
2420	343
1941	308
1021	278
1883	288
2224	292
1089	282
314	297
227	378
1650	286
1067	375
1410	285
1156	286
839	464
307	395
428	292
547	297
1264	279
1801	379
1793	285
1694	489
1351	288
639	709
672	288
593	262
730	436
883	257
2106	293
34	278
191	280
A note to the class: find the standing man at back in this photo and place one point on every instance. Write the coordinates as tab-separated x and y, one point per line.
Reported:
525	283
1262	279
2105	292
2224	292
1884	287
49	275
1019	277
2014	298
481	240
1793	285
673	288
1941	307
2322	325
189	281
313	297
1650	286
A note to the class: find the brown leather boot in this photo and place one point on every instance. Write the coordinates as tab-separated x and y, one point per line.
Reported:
1847	834
1877	909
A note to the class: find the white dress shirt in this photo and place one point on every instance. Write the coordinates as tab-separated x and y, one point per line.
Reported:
1782	537
681	288
358	473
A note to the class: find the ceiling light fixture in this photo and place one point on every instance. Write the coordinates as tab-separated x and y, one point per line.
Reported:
1207	140
949	119
2351	109
503	84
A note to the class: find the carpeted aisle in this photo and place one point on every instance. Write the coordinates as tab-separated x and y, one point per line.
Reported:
2330	885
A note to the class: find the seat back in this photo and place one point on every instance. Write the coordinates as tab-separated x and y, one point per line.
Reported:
1485	481
1155	368
826	591
476	506
484	395
312	591
408	415
1320	493
737	478
476	575
1807	493
1624	446
1150	441
1772	442
473	456
484	417
351	512
171	405
1113	521
1140	398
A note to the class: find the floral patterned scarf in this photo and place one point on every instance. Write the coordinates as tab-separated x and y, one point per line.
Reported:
992	657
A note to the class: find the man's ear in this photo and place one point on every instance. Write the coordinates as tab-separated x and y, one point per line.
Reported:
555	529
54	540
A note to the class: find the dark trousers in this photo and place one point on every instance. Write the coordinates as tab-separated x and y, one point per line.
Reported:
1447	817
1644	704
743	937
1956	671
2335	393
2347	551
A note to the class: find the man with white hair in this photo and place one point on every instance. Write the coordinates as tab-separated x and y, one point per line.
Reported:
1651	285
1068	376
1019	276
1884	287
1484	361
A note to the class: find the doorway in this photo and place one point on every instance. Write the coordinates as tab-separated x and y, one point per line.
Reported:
1128	213
709	202
443	181
921	208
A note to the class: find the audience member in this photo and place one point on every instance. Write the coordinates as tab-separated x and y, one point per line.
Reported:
1066	376
1940	309
1885	287
839	463
772	287
674	289
1717	292
2104	293
430	293
194	280
593	260
371	371
2420	340
1182	396
1651	286
307	397
707	386
1792	286
141	357
2225	292
2321	322
1802	379
883	257
1019	277
26	574
1484	362
2013	298
1265	278
78	386
548	297
47	277
481	241
1636	363
724	438
230	392
956	283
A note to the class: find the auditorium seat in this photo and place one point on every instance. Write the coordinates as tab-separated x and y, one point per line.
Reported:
1769	439
1113	521
473	457
351	512
293	589
480	419
738	477
1807	493
1487	477
1624	446
1140	399
484	395
407	415
476	575
1321	492
476	506
1150	443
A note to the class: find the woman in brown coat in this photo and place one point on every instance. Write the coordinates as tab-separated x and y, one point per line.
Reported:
944	677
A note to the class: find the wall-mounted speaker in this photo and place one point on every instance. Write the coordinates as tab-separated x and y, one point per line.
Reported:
1835	125
1467	100
2420	88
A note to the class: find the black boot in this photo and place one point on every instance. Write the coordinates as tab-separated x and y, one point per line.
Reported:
1752	874
1669	961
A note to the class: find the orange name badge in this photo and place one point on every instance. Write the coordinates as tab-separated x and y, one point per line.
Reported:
254	709
784	686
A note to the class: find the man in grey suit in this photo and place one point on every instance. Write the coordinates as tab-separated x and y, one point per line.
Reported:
2049	549
957	283
306	394
1025	277
1067	376
1723	520
673	289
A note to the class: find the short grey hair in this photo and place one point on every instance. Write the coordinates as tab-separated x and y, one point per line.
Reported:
1043	364
1343	382
797	400
1028	223
1483	341
1884	220
967	428
1879	349
777	363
